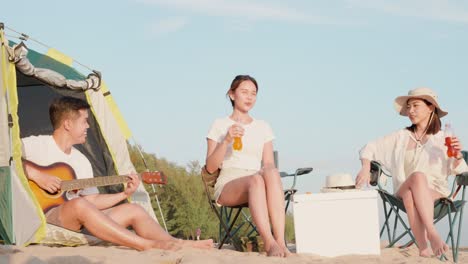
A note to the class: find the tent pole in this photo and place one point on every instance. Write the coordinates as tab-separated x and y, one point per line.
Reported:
152	185
159	206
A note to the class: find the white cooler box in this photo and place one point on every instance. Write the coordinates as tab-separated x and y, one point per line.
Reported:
337	223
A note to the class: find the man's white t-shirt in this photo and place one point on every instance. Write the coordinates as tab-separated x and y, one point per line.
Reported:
256	134
44	151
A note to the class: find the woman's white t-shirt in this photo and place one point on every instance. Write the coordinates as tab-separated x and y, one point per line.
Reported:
256	134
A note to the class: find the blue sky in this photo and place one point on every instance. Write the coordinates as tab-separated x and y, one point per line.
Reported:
328	71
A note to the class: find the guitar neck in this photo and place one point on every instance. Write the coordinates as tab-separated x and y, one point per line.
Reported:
92	182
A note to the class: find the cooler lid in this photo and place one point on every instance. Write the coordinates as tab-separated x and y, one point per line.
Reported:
343	195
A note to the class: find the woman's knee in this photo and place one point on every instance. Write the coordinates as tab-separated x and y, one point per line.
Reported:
418	178
271	174
256	181
407	197
270	170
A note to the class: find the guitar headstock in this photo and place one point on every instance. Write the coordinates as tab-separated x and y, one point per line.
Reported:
154	177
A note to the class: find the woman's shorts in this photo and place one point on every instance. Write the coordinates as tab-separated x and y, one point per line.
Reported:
229	174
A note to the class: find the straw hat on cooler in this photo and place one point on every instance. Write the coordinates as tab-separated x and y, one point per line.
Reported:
339	182
419	93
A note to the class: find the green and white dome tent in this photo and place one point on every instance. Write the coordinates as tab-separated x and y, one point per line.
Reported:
29	81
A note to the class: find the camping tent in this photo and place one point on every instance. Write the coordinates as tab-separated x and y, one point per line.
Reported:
29	81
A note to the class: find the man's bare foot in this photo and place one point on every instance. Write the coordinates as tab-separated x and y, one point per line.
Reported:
203	244
426	252
437	244
166	244
274	250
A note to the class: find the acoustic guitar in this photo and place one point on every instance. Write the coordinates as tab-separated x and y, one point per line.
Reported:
69	183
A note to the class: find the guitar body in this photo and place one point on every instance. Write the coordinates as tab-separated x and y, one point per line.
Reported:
47	200
69	183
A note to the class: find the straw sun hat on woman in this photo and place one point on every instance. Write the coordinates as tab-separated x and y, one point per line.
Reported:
419	93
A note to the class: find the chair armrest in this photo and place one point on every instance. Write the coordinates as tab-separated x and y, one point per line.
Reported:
462	179
300	171
303	171
376	171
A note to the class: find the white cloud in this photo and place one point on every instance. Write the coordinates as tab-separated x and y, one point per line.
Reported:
168	25
430	9
242	9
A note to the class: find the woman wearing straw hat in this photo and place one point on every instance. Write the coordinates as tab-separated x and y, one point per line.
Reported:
248	172
416	157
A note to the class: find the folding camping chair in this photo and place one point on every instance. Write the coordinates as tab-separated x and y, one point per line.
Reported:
228	215
443	207
289	192
225	213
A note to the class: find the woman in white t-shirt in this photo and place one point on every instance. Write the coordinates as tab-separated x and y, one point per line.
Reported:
417	159
243	178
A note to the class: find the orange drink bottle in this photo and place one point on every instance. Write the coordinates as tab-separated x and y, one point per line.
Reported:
448	140
237	145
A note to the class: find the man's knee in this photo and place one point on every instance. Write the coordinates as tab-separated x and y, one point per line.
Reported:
78	204
133	209
74	211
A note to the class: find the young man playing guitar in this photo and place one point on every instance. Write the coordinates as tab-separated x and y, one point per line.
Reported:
89	209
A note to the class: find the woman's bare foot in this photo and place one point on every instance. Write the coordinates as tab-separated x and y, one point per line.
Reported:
284	248
274	250
286	252
438	246
426	252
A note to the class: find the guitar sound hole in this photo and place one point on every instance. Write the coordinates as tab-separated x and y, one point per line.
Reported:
54	193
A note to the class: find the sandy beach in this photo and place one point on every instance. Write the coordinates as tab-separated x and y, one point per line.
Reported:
113	254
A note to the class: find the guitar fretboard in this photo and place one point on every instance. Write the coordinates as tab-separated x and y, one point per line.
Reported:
92	182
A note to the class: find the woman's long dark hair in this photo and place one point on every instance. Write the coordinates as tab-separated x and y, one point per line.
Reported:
434	125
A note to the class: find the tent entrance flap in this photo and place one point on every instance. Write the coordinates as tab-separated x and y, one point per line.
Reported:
33	111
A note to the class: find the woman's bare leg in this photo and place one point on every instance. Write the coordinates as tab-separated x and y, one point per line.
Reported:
275	201
251	189
415	223
423	198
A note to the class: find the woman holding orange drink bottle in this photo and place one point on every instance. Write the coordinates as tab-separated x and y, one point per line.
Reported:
242	148
420	158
